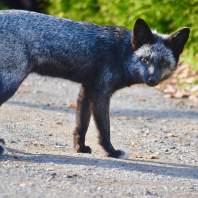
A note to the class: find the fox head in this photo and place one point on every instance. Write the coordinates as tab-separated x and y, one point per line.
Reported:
155	56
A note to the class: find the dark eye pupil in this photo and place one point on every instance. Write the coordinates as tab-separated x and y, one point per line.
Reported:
144	59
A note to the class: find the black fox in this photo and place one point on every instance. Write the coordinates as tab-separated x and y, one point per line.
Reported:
103	59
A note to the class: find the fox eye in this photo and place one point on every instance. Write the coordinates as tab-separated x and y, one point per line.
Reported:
164	63
145	60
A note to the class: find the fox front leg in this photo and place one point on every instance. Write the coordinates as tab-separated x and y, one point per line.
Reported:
82	121
100	108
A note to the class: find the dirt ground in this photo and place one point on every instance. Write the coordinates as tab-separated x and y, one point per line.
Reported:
160	134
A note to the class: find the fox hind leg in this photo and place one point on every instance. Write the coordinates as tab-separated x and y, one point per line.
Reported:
83	115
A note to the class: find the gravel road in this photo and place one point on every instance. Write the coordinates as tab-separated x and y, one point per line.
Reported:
161	136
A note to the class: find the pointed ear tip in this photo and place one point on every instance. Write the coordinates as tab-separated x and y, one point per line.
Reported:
186	29
139	20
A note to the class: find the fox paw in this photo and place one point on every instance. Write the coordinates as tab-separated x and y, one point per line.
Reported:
84	149
121	154
3	150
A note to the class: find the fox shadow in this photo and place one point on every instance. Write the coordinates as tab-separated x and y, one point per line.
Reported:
144	166
155	114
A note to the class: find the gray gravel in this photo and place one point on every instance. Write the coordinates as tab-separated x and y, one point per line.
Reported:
37	126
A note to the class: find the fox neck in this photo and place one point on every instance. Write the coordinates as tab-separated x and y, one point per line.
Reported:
132	75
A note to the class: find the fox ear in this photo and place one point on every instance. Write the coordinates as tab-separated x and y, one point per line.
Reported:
141	34
178	39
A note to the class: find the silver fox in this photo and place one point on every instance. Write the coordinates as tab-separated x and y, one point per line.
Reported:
103	59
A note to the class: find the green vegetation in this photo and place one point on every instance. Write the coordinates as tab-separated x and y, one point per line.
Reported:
43	3
3	6
166	16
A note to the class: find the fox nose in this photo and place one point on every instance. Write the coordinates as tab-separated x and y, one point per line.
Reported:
152	81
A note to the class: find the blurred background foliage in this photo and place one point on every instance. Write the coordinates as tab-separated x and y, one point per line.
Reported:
166	16
31	5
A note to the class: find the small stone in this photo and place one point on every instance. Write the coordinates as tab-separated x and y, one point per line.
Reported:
53	174
148	193
13	142
190	188
60	146
192	144
153	157
69	176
